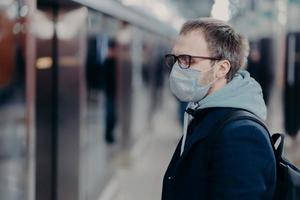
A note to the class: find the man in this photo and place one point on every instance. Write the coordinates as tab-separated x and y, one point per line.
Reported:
110	65
206	72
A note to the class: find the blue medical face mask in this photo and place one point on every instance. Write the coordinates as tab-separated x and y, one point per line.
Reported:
184	84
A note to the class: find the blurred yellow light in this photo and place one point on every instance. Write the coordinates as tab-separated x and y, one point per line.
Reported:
44	63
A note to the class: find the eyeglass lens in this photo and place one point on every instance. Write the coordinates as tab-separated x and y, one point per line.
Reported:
183	60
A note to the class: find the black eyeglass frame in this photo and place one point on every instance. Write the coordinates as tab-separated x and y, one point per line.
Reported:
176	58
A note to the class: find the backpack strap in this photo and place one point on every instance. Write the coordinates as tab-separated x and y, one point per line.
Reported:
241	115
279	150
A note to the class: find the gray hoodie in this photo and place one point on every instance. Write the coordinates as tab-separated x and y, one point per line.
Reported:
241	92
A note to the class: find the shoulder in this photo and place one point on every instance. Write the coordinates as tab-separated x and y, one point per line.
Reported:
246	135
245	128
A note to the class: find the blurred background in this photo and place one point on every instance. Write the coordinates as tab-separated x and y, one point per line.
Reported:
85	107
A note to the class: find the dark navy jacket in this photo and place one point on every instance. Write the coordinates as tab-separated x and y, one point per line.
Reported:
242	165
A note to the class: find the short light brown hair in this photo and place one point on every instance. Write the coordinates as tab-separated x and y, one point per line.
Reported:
222	40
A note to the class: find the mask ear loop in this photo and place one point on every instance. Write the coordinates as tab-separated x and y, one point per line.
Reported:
212	67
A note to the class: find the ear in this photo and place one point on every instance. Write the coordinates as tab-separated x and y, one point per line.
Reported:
223	69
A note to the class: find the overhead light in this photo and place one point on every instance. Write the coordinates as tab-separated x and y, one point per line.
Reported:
177	23
220	10
42	26
66	29
161	11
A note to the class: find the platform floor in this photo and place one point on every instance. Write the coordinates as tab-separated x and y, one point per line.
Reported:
141	169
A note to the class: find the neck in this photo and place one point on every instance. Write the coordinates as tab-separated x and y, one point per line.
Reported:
217	85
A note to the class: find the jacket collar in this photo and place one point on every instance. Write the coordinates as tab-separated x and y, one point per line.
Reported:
200	127
199	113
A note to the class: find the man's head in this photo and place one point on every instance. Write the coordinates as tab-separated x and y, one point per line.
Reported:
214	48
213	38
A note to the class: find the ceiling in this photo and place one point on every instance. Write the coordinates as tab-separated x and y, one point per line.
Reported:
255	18
193	8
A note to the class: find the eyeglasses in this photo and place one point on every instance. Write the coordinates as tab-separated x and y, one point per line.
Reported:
184	61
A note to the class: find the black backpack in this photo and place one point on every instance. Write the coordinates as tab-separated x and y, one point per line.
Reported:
288	176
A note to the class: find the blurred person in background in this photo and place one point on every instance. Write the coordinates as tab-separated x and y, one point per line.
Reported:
156	88
253	65
146	65
292	85
94	75
110	65
261	65
206	63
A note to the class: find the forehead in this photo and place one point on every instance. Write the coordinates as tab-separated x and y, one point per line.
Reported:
192	43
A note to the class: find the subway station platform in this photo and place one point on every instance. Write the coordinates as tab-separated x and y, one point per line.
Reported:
86	111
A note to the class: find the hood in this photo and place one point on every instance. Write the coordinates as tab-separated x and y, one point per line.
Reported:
241	92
